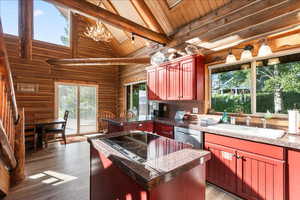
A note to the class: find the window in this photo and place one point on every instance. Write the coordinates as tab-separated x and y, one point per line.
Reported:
266	85
231	89
9	13
136	98
278	84
51	23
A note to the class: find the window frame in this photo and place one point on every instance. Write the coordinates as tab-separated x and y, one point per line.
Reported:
131	94
69	46
253	62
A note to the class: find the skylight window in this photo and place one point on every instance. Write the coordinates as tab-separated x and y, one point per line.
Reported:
51	23
9	13
173	3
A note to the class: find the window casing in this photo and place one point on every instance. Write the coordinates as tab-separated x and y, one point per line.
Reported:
137	98
259	85
51	23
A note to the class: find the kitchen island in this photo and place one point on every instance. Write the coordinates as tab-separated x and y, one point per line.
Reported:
141	166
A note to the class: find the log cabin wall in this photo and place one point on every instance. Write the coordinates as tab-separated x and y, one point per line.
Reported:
37	71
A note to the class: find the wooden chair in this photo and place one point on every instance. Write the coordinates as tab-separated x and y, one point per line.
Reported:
57	130
30	130
103	125
127	114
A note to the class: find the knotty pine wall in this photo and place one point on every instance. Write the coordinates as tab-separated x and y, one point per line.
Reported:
37	71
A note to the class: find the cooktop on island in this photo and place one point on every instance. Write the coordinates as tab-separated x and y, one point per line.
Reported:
142	147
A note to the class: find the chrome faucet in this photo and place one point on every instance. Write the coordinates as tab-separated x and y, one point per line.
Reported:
248	119
264	122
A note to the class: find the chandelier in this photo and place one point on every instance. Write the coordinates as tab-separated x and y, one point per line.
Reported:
98	32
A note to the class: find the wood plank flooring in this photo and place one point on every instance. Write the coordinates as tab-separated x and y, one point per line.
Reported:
62	173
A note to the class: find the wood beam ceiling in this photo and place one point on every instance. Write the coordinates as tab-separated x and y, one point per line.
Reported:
92	10
99	61
147	15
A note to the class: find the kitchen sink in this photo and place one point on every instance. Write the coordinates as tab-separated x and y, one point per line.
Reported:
247	130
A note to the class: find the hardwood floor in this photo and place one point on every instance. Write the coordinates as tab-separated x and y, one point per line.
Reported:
60	173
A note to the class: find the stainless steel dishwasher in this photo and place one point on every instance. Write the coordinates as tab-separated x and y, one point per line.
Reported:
189	136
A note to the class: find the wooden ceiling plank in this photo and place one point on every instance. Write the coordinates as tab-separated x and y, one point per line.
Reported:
146	14
268	13
106	16
99	61
250	14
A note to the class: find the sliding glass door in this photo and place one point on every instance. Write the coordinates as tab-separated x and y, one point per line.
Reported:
81	101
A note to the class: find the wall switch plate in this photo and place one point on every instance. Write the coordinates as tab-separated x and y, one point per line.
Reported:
195	110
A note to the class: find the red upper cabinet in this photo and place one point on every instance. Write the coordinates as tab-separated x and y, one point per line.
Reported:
180	79
188	79
151	84
161	82
173	81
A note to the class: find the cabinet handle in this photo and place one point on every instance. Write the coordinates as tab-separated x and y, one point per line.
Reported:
238	157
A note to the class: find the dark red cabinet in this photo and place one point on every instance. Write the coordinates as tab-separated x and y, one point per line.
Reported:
151	84
180	79
293	162
259	174
164	130
173	81
161	86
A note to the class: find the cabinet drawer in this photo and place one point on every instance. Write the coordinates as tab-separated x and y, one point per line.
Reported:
164	130
248	146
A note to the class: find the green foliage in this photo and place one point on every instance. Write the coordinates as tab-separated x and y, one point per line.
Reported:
231	103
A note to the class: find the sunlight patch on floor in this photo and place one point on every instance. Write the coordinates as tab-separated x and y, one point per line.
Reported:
52	177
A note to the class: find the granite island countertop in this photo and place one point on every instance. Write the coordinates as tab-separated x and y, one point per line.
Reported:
287	140
177	159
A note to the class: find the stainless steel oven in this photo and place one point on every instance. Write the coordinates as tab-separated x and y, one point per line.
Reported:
189	136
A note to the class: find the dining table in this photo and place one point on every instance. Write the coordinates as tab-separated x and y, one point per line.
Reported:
41	125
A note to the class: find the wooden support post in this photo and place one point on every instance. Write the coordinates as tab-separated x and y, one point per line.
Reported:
18	174
74	34
4	181
25	28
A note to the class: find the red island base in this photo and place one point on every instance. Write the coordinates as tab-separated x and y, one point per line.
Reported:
108	182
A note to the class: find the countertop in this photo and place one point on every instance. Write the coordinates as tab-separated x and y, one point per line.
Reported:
287	140
155	171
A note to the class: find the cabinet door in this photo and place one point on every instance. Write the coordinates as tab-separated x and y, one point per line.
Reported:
221	168
260	177
162	82
187	80
164	130
173	81
151	84
293	174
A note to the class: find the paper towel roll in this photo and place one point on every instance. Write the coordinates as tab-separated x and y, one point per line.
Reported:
294	119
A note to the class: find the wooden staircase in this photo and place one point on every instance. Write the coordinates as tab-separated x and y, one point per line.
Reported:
12	148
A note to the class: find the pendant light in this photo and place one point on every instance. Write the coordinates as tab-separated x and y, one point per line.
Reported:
247	54
265	49
230	57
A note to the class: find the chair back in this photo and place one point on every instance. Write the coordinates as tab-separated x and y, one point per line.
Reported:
103	125
66	115
127	114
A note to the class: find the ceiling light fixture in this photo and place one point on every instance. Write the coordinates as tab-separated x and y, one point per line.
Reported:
247	54
98	32
230	57
265	49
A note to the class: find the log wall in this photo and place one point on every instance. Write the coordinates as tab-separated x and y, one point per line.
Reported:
37	71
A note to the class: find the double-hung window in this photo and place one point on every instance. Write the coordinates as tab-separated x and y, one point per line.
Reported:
270	84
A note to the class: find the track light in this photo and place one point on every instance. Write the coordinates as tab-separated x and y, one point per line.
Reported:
132	38
230	57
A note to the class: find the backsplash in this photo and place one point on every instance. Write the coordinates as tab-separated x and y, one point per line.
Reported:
188	106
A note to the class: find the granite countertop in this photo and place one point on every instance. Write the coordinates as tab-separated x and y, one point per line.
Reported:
287	140
154	171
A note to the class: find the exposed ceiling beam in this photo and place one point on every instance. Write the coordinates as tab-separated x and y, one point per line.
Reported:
89	9
99	61
245	19
147	15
